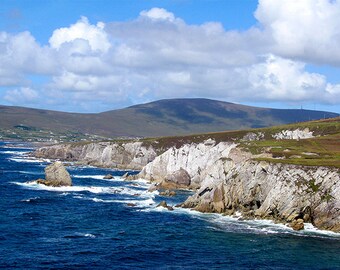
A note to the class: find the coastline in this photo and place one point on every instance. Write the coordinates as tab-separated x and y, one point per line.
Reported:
212	166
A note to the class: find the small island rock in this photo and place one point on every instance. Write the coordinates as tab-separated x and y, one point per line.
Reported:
165	205
108	176
56	176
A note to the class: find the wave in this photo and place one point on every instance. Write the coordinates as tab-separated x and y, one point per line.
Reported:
30	199
18	153
138	203
30	160
91	189
31	173
132	203
98	176
257	226
80	235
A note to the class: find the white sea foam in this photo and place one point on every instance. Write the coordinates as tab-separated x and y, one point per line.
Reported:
89	235
79	234
30	160
31	173
30	199
257	226
142	182
92	189
231	223
18	153
139	203
98	176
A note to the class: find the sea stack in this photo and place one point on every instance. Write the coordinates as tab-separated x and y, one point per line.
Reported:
56	175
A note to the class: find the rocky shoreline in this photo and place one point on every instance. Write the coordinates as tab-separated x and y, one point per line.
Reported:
131	155
226	179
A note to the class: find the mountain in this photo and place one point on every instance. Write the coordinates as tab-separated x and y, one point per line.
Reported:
159	118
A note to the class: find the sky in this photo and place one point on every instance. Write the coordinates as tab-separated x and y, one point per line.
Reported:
99	55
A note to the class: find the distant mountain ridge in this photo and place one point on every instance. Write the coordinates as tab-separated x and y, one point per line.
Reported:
159	118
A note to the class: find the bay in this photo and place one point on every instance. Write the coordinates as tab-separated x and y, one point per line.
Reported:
115	224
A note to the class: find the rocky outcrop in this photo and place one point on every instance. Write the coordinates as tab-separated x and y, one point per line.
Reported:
132	155
56	175
297	224
108	176
230	181
188	165
165	205
275	191
227	179
296	134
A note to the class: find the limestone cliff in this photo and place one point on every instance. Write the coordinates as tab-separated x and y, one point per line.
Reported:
229	180
132	155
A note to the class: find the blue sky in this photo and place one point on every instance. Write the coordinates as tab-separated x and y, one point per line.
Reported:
92	56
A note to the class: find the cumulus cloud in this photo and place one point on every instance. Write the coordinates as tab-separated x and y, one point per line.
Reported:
93	34
282	79
304	29
159	55
158	14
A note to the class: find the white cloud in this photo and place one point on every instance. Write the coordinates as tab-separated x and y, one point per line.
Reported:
304	29
20	54
281	79
82	30
158	14
21	96
160	56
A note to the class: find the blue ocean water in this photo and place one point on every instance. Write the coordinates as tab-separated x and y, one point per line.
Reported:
115	224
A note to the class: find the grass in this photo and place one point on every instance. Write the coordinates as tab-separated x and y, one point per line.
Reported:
318	151
322	150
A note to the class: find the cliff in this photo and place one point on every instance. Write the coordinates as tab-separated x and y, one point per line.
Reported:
131	155
229	180
286	174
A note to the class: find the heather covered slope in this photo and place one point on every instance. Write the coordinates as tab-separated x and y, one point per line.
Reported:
159	118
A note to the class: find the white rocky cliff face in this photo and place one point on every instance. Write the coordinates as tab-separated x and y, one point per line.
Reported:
132	155
195	159
230	181
296	134
227	179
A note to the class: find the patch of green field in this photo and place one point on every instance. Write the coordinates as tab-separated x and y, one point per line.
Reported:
322	150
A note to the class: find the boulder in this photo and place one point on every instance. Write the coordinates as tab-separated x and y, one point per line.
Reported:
297	224
108	176
180	177
165	205
131	204
56	176
168	193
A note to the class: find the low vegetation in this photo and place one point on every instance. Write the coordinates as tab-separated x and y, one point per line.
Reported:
321	150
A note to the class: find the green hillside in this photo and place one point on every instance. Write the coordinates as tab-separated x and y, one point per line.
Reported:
159	118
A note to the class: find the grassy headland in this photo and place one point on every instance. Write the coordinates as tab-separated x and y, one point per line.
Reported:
321	150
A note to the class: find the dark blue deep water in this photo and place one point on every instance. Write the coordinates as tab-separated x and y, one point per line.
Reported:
91	226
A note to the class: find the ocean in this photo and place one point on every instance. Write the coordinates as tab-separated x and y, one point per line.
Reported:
115	224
